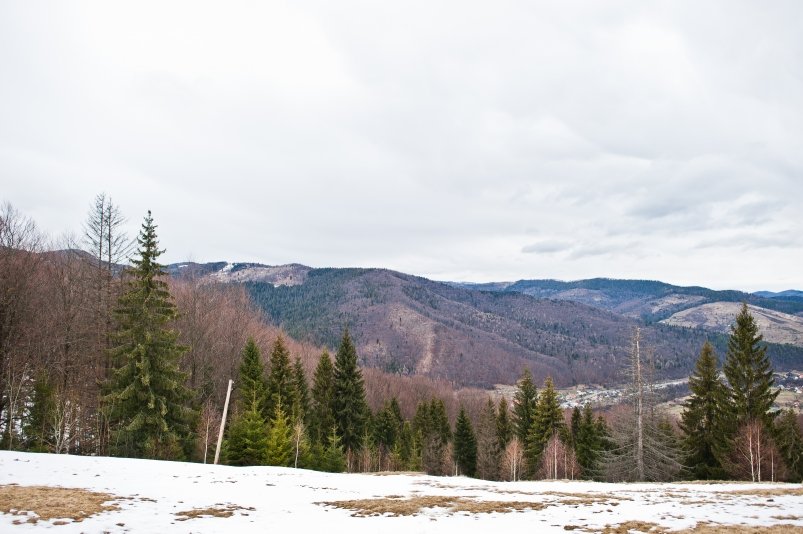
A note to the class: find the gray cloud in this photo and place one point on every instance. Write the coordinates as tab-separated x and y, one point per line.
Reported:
451	140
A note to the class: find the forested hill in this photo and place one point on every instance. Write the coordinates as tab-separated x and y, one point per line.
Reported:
646	299
412	325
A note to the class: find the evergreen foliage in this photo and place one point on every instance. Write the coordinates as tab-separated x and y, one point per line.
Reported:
280	439
465	445
147	404
247	443
524	406
281	382
431	428
322	418
587	437
252	385
334	458
489	451
38	428
702	418
547	421
350	409
790	442
749	374
301	405
504	427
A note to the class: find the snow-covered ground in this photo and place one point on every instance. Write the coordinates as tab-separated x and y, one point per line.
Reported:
287	500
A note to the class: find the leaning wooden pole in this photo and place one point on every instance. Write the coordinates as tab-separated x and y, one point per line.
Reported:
223	423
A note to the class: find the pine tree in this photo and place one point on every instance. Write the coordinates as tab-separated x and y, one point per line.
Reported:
247	443
465	445
280	439
790	442
350	408
504	428
702	418
547	422
252	385
749	374
524	406
281	388
147	404
300	394
322	418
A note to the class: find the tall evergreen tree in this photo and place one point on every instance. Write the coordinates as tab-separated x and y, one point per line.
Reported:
588	444
280	438
790	442
281	383
465	445
350	408
38	428
148	404
524	403
300	394
702	418
749	374
547	422
504	427
252	385
489	452
323	399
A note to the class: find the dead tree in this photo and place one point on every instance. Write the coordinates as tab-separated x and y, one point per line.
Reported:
643	443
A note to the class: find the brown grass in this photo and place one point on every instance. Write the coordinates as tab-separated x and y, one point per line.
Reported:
218	510
396	507
796	491
46	503
708	528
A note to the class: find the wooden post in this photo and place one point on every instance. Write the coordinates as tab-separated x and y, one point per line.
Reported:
222	423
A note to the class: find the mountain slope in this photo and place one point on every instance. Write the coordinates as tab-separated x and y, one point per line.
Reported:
410	325
776	327
646	299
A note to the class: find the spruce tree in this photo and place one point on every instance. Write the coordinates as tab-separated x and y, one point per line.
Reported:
588	444
465	445
300	394
247	443
38	428
547	421
252	385
281	386
322	418
489	452
350	408
147	404
334	458
504	428
790	442
524	406
749	374
280	439
702	418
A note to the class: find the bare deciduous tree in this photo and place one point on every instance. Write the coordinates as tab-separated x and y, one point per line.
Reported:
513	460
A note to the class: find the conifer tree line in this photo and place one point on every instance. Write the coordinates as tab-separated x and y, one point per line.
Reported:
104	363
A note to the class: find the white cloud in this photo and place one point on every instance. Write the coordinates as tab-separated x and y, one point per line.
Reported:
456	140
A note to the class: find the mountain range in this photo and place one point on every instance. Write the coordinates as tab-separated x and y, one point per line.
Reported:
485	334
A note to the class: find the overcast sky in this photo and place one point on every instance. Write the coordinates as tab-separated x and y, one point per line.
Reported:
454	140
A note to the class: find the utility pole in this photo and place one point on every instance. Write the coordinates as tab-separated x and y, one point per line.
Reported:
223	423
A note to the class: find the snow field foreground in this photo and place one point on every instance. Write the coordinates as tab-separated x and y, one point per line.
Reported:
165	497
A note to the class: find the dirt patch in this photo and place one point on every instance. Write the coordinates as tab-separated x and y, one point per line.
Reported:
635	526
46	503
218	510
708	528
796	491
396	507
